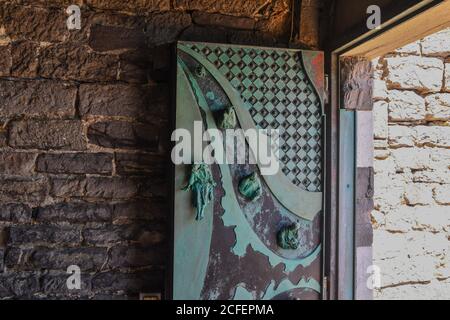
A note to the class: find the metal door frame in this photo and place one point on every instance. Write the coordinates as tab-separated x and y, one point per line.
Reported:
348	168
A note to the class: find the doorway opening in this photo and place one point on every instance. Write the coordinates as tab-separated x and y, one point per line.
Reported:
356	217
411	216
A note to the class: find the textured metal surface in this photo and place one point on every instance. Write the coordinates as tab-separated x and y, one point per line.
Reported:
304	204
238	256
347	202
278	94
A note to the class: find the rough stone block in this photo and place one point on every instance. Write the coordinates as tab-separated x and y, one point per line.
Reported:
438	106
236	8
139	102
5	62
356	80
387	198
406	269
401	136
380	143
37	98
136	256
437	44
140	164
34	23
433	136
436	290
442	194
108	187
17	284
22	234
411	159
380	91
432	176
440	158
51	134
393	244
88	259
377	219
136	66
418	194
412	48
76	163
199	33
75	212
140	210
135	6
377	67
406	106
80	63
112	188
108	38
381	154
145	236
163	28
54	284
411	72
128	283
384	167
420	218
67	186
225	21
31	191
380	119
24	55
15	212
17	163
121	134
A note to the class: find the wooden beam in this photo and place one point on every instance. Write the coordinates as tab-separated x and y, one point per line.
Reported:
421	25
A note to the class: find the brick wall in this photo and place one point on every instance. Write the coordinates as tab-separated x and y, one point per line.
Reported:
412	170
84	118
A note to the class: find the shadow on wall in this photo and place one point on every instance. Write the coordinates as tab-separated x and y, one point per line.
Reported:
84	137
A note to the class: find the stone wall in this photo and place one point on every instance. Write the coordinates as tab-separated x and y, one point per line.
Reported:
84	118
411	219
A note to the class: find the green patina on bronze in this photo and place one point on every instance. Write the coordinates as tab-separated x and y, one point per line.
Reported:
196	244
200	72
228	119
287	237
302	203
202	184
245	235
250	187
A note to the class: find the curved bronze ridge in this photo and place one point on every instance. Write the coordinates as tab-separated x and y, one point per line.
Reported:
302	203
230	203
193	252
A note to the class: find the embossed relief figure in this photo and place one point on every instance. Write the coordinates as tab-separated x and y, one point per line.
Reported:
260	234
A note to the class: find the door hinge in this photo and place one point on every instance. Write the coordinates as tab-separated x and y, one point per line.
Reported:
326	89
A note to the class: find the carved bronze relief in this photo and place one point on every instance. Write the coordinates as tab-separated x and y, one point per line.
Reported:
256	236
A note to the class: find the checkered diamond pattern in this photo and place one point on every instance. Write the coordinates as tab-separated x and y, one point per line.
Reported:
278	94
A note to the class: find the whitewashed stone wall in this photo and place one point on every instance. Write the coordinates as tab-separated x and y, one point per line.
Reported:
411	219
